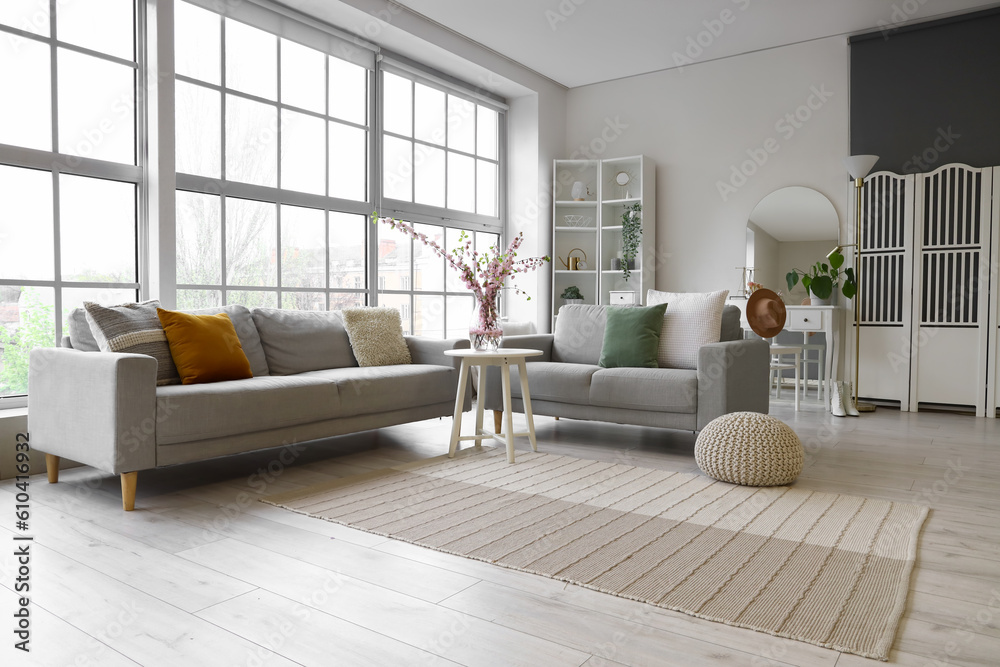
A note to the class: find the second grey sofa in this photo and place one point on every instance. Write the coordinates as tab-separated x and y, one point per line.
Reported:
566	381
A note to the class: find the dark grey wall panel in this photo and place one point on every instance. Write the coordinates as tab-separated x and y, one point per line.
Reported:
928	95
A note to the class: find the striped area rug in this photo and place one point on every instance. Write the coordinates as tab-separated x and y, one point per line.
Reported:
828	569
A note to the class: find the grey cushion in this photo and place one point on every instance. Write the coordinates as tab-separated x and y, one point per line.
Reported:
659	389
80	335
192	412
296	341
246	331
579	334
555	381
133	328
375	389
731	329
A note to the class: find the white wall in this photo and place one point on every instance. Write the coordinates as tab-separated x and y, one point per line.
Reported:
802	255
765	259
535	139
698	124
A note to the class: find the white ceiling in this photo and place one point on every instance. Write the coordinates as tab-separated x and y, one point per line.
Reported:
579	42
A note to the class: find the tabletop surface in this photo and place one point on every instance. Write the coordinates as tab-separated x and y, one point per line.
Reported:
499	354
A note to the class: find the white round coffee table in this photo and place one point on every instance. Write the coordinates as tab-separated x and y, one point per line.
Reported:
504	358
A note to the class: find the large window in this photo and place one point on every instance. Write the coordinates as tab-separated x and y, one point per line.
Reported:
278	169
272	168
441	163
69	169
287	135
440	149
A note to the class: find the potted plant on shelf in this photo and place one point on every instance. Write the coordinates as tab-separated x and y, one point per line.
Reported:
823	278
631	233
571	295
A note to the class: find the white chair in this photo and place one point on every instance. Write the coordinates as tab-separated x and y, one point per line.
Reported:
778	364
820	362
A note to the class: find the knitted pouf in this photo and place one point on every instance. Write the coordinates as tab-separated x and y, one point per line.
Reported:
749	448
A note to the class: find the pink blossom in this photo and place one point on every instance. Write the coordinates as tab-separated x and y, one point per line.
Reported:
482	272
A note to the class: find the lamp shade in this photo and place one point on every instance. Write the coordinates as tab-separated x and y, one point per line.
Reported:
859	165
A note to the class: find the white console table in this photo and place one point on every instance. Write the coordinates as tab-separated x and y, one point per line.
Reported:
811	319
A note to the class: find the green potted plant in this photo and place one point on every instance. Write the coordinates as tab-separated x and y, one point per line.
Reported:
571	295
823	278
631	233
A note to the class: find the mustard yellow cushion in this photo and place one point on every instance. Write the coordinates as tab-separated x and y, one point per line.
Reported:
205	348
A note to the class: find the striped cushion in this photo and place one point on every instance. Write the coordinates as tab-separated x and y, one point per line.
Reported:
134	328
692	320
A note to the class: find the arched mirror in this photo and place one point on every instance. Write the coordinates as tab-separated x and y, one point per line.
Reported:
789	229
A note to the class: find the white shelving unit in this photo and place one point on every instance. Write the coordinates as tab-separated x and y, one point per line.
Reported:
598	235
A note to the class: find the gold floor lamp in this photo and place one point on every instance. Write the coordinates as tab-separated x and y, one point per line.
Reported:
858	166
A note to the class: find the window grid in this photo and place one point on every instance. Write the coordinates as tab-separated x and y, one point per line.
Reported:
472	222
279	195
475	155
481	241
60	161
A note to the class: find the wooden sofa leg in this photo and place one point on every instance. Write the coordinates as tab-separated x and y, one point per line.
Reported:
129	480
497	420
52	468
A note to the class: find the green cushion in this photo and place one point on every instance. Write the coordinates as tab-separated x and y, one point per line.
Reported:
632	336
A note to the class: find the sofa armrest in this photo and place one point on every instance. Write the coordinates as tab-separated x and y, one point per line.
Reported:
96	408
494	383
540	341
426	350
732	377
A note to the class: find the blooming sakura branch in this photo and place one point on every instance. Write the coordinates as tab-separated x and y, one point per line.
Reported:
483	273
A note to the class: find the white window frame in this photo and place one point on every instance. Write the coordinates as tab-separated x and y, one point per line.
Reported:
274	20
57	163
422	213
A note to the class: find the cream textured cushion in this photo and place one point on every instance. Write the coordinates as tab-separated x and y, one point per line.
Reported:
376	336
135	328
749	448
692	320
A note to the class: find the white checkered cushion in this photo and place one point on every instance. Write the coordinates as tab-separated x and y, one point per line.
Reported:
692	320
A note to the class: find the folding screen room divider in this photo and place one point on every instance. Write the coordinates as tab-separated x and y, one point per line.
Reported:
930	247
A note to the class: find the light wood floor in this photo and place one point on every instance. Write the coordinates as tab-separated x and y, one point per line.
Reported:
202	574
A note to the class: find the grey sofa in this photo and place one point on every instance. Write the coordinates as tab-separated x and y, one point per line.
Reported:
104	409
566	381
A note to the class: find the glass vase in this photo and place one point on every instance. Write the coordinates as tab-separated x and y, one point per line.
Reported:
485	333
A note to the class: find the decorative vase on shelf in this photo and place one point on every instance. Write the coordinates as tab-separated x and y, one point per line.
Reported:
578	191
816	301
485	333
